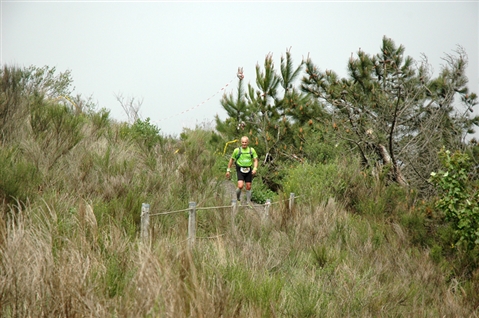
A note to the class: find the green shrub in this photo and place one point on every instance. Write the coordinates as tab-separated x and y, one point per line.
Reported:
261	194
459	201
322	147
316	182
198	160
414	222
436	253
19	179
379	199
12	104
144	133
100	121
55	128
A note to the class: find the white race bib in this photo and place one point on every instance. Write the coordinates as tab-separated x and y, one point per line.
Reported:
245	169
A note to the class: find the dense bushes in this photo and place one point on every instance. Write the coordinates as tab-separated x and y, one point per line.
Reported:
459	199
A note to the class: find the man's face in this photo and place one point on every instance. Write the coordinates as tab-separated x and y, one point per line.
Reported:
244	143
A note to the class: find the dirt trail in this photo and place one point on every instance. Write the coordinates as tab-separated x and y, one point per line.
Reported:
230	190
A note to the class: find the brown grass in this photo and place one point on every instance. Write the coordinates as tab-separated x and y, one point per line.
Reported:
324	262
74	250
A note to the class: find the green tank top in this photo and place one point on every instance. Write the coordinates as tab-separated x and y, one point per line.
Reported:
244	157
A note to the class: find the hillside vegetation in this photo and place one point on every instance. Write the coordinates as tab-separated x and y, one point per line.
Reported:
358	242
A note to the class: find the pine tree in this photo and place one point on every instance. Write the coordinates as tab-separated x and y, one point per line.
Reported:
274	113
392	112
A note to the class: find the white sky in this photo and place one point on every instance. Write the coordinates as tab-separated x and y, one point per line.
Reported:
178	56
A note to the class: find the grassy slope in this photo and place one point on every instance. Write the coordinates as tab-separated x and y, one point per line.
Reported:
73	250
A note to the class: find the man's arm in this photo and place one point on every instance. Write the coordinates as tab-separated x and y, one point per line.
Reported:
230	163
255	165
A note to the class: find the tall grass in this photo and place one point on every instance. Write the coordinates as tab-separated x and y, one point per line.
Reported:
323	263
70	246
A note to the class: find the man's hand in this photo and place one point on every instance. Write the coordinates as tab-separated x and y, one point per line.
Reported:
228	175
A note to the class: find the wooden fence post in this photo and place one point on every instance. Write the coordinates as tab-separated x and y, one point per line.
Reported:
266	208
234	207
291	202
192	224
145	221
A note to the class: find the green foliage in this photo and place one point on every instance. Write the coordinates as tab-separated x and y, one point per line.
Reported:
320	255
389	109
100	121
28	90
436	253
328	259
415	223
322	146
315	182
259	290
19	178
55	128
46	82
369	192
122	204
117	272
307	301
459	201
381	199
275	115
199	158
261	192
145	133
12	104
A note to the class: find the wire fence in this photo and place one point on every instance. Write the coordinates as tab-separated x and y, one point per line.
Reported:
192	209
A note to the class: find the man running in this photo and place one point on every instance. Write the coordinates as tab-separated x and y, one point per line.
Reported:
246	161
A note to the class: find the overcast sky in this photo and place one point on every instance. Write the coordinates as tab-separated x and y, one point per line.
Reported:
178	57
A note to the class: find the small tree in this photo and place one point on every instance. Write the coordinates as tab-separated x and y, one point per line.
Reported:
19	85
393	113
236	108
130	106
273	113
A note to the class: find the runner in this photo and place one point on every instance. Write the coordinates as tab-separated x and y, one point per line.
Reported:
246	162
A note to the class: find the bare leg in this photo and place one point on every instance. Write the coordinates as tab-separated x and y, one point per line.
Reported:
248	192
239	189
